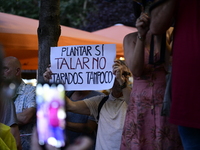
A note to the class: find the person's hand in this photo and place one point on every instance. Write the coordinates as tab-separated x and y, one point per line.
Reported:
142	24
82	143
121	72
47	74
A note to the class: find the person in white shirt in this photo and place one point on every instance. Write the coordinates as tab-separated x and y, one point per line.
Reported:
113	112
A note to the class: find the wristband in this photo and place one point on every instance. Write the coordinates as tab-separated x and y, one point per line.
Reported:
140	38
124	85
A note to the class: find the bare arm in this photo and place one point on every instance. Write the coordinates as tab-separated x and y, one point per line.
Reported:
126	93
82	143
134	54
162	17
15	132
89	127
134	47
78	107
123	80
26	116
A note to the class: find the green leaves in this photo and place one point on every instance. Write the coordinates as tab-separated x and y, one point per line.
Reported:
26	8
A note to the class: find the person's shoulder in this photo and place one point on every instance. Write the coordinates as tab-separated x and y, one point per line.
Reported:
94	101
131	36
30	86
4	128
7	139
96	97
30	89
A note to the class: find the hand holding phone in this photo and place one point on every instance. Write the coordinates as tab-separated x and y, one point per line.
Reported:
51	114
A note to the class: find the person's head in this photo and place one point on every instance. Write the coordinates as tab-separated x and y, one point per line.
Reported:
12	69
116	89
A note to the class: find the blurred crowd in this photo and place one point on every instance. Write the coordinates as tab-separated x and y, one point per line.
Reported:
152	105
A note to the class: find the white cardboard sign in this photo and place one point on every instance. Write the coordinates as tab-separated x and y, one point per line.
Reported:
83	67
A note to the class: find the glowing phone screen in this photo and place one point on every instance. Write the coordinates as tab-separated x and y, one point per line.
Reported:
51	114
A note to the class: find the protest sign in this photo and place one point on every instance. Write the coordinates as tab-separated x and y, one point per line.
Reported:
83	67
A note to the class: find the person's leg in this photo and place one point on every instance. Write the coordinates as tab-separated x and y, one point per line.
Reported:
190	137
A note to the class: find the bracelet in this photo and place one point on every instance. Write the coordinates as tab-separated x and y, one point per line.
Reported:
124	85
140	38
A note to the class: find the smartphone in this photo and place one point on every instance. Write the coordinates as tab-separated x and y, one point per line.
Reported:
51	114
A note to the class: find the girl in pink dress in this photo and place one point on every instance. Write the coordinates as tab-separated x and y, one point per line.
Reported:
145	128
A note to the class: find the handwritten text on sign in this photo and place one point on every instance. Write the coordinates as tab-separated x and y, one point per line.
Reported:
83	67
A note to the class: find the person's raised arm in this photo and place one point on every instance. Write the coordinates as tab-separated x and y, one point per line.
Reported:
126	93
122	74
78	107
89	127
134	46
162	17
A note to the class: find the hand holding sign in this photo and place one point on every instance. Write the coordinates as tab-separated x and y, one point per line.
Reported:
83	67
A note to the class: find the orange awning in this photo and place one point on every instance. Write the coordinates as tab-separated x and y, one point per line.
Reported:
18	35
116	32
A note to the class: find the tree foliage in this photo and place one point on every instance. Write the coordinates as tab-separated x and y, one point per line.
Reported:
26	8
109	13
89	15
73	12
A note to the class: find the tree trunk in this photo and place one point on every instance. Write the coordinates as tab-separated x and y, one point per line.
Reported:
48	33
